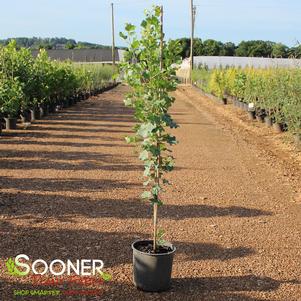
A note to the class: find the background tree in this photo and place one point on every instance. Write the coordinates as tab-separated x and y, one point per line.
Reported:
255	48
295	52
212	47
228	49
70	45
279	50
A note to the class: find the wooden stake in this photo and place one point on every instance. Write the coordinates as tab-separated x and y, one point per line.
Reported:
155	226
157	179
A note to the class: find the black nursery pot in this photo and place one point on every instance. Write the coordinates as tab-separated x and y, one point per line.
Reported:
224	100
251	115
10	123
240	104
277	127
44	111
25	116
65	103
51	107
260	118
152	272
34	114
268	121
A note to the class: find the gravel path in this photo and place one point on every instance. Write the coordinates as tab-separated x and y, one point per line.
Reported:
69	187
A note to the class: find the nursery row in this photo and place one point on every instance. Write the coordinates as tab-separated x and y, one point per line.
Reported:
30	84
273	95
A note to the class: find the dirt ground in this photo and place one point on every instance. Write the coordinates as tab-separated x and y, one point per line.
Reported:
69	187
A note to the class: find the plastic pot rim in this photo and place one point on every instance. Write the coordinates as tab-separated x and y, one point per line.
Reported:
150	254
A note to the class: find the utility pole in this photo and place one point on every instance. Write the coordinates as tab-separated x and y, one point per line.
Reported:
193	14
113	36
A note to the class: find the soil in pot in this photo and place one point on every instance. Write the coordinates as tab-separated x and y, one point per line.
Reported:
25	116
10	123
152	271
268	121
277	127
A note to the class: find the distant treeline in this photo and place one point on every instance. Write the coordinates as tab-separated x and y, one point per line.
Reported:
255	48
52	43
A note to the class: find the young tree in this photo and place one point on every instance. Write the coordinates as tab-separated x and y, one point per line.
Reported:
151	74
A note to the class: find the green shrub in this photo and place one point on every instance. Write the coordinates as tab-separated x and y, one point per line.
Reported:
277	91
11	95
27	82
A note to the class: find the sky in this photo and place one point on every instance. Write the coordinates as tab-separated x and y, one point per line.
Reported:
90	20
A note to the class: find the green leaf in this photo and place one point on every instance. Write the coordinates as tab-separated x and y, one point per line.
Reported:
146	172
135	44
158	11
10	264
146	183
146	195
171	140
130	27
143	155
156	189
127	101
12	270
160	237
145	129
130	139
166	182
144	24
105	276
123	36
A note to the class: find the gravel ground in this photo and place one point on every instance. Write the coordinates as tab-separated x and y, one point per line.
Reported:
69	187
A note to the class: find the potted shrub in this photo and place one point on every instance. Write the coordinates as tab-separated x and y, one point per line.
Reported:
150	71
11	95
260	114
251	111
25	110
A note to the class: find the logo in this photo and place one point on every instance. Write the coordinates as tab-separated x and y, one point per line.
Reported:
84	267
12	270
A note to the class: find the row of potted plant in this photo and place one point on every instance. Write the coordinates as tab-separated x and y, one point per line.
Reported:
271	95
33	86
